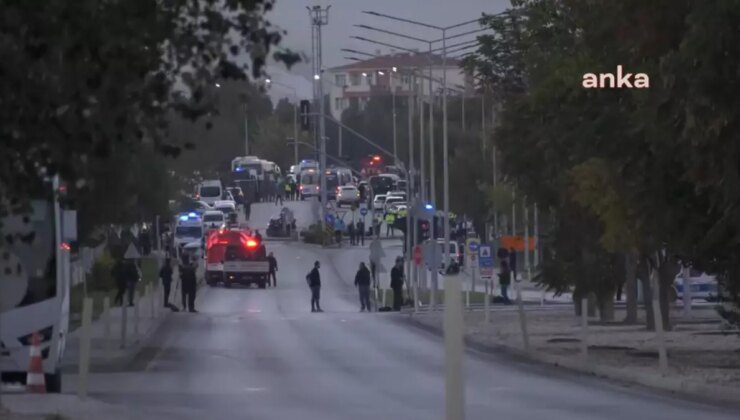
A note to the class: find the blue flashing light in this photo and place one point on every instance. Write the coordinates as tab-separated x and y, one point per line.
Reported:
184	218
428	207
239	169
192	214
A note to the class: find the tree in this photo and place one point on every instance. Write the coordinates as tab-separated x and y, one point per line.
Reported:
83	78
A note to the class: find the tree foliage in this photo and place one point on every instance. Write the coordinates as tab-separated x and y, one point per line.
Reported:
656	168
81	79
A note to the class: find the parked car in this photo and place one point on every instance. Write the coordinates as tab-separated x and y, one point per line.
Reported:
703	285
379	202
391	200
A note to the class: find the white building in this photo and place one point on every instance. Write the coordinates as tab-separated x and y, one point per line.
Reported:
397	73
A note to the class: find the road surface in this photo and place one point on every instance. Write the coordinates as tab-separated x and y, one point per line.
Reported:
261	354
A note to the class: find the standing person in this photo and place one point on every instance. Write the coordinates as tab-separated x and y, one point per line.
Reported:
273	269
351	233
165	273
187	279
512	262
145	240
504	279
314	283
131	273
390	218
362	282
376	227
118	274
279	192
397	284
257	236
247	208
361	232
288	188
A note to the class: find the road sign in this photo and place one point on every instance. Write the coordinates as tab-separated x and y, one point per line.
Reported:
131	252
473	244
363	211
417	255
516	242
329	219
485	261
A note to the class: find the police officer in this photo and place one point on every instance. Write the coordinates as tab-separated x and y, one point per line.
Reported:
272	274
397	284
187	277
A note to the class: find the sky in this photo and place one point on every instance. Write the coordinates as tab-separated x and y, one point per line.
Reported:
292	16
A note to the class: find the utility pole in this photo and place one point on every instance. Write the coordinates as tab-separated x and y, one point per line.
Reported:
445	151
422	157
339	152
319	17
393	101
432	170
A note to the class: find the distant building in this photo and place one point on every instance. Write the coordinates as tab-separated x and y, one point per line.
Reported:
356	83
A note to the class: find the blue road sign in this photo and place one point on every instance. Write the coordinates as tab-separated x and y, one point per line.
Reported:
485	258
363	211
473	247
329	219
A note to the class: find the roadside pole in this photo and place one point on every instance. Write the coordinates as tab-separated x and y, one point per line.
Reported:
106	324
686	275
487	301
522	316
453	334
658	315
84	366
584	328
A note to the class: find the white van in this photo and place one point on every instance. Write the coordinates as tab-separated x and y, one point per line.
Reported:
210	191
309	183
188	228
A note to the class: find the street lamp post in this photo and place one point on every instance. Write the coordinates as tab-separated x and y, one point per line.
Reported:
445	140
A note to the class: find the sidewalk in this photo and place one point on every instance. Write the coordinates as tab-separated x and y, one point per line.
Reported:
702	358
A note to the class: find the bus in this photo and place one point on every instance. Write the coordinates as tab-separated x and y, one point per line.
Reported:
35	287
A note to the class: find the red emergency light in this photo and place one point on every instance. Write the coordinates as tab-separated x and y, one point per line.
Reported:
251	243
376	158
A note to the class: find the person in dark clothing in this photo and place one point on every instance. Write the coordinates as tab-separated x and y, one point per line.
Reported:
118	274
273	269
165	273
187	278
361	233
247	209
145	241
504	279
131	274
362	282
512	263
397	284
314	283
257	235
351	233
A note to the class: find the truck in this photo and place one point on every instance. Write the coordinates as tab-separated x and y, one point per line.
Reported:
35	277
236	256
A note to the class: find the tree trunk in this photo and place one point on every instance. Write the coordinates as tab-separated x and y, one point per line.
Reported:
592	304
630	286
666	274
606	308
647	294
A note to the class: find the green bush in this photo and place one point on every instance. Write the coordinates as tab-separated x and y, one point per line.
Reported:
101	278
315	235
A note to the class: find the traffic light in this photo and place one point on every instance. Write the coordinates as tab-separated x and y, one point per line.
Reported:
305	117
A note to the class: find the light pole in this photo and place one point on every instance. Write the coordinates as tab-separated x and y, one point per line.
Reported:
320	17
295	115
445	140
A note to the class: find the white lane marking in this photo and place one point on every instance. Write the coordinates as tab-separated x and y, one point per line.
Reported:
255	389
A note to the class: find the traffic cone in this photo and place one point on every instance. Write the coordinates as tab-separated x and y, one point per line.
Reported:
35	381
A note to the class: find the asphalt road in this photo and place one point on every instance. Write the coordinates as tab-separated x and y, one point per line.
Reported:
261	354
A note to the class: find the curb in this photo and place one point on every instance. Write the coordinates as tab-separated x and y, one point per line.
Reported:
703	392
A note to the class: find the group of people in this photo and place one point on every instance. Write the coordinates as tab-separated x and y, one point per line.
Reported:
354	230
363	282
188	282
